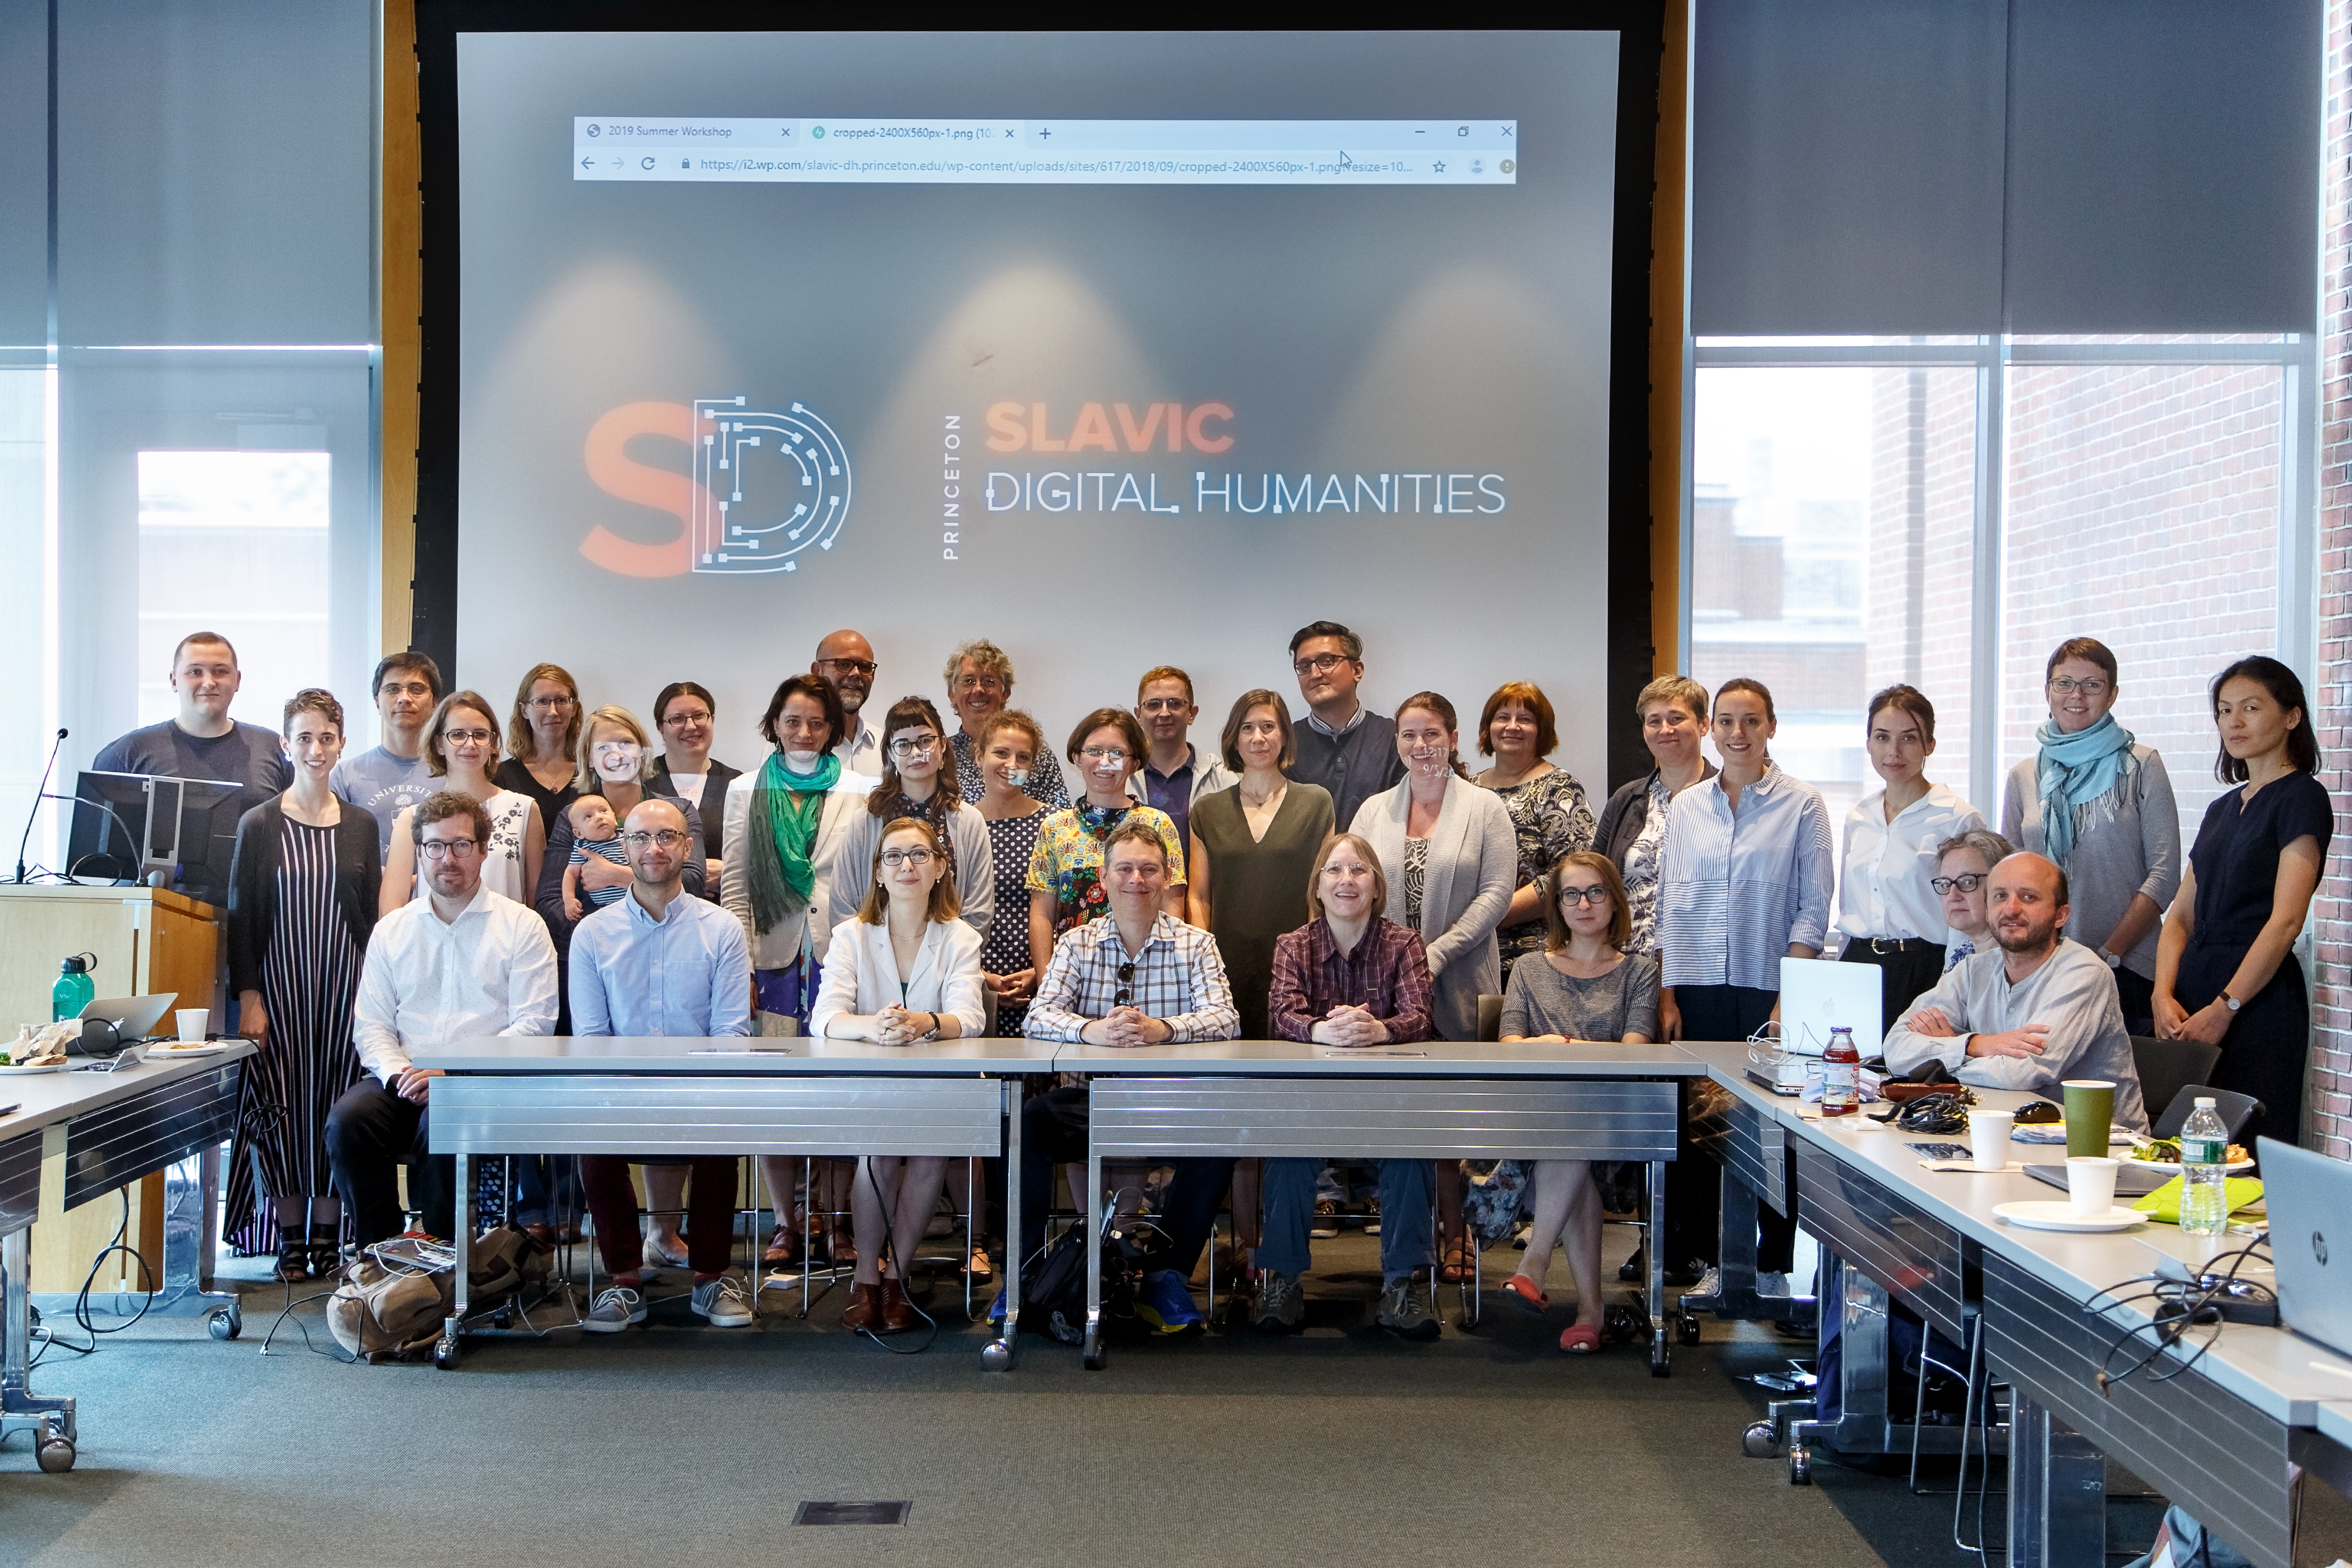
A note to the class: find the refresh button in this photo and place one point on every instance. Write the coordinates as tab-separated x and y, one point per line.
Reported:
647	165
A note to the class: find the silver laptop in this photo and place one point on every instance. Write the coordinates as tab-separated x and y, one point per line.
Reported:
2307	1197
1818	995
133	1017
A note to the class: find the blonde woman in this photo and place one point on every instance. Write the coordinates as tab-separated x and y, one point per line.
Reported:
904	971
459	741
542	732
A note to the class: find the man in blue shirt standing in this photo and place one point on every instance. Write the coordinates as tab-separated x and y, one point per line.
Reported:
1173	774
661	963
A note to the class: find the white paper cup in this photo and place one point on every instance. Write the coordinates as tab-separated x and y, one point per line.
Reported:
192	1025
1988	1137
2091	1184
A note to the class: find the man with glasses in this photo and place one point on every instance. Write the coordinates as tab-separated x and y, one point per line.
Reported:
388	779
1964	865
459	962
844	661
1343	746
1136	976
659	962
1173	775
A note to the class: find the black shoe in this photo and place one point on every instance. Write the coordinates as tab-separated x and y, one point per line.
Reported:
1689	1272
1634	1267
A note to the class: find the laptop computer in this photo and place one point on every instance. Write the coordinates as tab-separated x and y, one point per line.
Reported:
1818	995
2307	1196
133	1017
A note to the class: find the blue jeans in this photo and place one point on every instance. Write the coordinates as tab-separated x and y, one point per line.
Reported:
1408	1230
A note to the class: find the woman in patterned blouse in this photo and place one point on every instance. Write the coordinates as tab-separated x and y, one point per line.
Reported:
1549	815
1066	870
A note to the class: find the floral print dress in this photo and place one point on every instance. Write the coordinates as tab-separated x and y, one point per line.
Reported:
1549	818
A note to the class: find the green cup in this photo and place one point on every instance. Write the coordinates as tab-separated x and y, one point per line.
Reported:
2090	1112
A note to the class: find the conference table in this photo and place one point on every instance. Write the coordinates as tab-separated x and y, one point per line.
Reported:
105	1129
2217	1435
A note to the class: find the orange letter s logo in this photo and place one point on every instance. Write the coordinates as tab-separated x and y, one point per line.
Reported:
611	471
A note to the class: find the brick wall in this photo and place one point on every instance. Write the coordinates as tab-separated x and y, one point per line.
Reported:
2330	1095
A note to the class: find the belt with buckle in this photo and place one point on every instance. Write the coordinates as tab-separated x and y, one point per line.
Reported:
1886	944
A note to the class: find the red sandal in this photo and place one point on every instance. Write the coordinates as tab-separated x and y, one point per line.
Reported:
1524	1290
1579	1339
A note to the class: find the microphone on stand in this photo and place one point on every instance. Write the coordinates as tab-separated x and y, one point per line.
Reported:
47	768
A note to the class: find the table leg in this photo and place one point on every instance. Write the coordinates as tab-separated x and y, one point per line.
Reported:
997	1355
2057	1490
51	1419
445	1354
1661	1353
1094	1346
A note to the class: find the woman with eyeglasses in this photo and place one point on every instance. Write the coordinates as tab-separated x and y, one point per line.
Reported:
979	683
1583	985
2100	804
1889	913
902	971
459	740
915	785
686	713
543	741
1066	887
1548	814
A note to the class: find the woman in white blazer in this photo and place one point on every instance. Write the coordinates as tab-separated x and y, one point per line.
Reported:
904	971
1452	858
776	881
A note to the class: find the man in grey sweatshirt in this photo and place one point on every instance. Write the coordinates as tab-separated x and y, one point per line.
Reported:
2032	1011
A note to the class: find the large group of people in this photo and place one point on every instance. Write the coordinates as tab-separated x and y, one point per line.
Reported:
1337	875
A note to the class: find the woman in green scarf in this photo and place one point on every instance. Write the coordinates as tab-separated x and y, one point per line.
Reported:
784	821
2101	807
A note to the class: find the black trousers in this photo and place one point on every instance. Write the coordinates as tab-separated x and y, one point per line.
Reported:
1694	1183
1904	974
1053	1132
369	1131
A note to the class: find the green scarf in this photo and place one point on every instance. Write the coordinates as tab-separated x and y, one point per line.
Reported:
790	805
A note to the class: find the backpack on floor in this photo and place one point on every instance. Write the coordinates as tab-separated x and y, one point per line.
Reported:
393	1299
1054	1288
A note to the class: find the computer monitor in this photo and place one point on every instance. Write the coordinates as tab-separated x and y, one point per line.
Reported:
127	827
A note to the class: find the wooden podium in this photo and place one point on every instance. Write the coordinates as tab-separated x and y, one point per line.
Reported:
147	939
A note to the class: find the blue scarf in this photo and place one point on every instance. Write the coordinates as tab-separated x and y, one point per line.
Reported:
2075	770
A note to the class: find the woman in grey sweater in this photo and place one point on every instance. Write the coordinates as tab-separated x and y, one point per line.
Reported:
2101	807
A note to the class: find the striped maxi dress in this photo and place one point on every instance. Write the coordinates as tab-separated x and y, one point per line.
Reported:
309	980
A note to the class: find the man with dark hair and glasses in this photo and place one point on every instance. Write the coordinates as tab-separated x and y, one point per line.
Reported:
387	779
1136	976
459	962
659	962
1343	746
844	661
1964	864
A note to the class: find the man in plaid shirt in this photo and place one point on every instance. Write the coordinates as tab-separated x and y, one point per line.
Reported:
1349	978
1136	976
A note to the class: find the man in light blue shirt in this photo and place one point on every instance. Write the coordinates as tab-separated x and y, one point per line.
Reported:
661	963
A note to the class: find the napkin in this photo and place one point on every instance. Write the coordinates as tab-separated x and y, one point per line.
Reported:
2163	1204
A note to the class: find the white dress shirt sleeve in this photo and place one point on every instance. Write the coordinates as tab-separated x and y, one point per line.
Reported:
531	976
838	984
375	1015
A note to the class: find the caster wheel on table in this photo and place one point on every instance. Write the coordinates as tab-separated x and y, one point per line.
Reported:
225	1323
1757	1442
1093	1359
54	1451
1661	1354
996	1356
445	1354
1800	1468
1687	1328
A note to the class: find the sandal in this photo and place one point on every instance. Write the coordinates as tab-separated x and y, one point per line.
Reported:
842	1250
1577	1338
1456	1267
1525	1292
977	1266
784	1247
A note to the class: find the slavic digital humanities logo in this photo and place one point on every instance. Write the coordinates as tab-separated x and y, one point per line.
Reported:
794	467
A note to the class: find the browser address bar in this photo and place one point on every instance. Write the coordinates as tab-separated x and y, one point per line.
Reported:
1048	152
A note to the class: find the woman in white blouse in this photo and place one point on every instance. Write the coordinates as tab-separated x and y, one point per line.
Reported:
1456	859
904	971
1887	915
461	745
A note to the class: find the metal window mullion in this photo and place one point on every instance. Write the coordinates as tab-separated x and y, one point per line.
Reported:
1985	596
2157	353
1863	356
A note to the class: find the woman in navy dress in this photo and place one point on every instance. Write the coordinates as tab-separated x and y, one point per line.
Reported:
2225	972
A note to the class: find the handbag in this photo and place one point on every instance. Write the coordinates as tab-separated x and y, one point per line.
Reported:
1491	1205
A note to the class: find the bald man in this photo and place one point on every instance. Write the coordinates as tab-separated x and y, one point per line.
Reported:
844	661
2031	1012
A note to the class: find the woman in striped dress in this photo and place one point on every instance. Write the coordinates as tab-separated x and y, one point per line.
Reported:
304	884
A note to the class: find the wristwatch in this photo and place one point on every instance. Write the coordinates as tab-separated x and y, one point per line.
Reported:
2231	1003
2113	961
933	1032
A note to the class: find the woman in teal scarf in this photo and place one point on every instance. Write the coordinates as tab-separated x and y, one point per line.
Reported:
2102	807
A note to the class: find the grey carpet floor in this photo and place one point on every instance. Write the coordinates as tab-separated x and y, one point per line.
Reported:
678	1442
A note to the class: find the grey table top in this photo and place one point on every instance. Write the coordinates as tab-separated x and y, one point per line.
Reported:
1426	1058
44	1100
680	1054
2278	1371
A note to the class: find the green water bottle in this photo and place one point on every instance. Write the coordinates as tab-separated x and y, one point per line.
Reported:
74	990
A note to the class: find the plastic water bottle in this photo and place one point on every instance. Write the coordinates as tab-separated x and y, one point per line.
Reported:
1840	1074
74	989
2204	1147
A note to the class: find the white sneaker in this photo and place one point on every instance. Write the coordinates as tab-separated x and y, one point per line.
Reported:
1771	1282
616	1309
723	1302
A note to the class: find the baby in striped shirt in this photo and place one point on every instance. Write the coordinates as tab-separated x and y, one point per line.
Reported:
595	830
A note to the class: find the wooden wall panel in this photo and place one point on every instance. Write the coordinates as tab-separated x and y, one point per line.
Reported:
402	285
1667	297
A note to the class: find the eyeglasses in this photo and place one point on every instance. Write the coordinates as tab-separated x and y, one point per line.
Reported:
435	849
466	737
682	717
978	683
893	859
667	838
1596	894
1111	754
404	688
1163	705
551	704
2066	685
847	666
1124	994
1321	664
914	748
1967	882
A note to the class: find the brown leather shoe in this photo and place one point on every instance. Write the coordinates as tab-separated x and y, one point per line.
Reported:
897	1313
865	1309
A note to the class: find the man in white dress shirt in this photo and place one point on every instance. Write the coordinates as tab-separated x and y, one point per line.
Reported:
2030	1013
459	964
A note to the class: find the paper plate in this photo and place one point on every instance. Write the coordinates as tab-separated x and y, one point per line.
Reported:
2040	1213
164	1053
2172	1167
47	1066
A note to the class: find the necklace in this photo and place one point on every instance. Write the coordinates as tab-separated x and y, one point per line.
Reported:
1268	795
